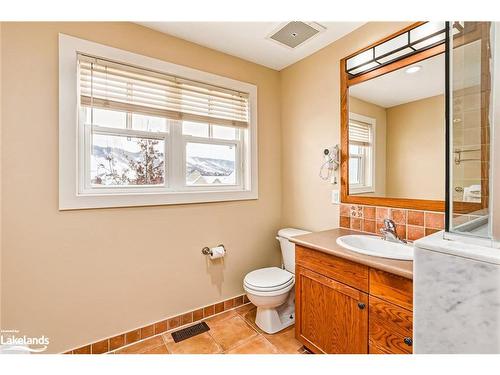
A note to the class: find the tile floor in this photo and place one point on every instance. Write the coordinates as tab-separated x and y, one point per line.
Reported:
232	332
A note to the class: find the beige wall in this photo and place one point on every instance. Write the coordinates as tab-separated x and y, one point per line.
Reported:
78	276
415	149
310	121
380	115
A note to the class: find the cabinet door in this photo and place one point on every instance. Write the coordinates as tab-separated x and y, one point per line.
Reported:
331	317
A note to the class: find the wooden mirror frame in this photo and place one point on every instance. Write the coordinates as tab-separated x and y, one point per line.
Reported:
345	83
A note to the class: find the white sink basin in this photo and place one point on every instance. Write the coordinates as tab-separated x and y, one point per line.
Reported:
376	246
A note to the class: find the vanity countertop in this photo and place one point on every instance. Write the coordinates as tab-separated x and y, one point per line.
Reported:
325	241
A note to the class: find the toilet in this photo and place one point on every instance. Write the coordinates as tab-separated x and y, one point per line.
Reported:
271	289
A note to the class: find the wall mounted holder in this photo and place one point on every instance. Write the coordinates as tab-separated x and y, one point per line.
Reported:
209	251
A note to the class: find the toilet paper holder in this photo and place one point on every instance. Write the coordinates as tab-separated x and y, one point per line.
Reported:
208	251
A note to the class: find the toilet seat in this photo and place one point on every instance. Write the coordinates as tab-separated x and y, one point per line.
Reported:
271	288
269	281
270	277
271	293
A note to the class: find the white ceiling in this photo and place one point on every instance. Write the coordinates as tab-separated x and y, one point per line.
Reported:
249	40
399	87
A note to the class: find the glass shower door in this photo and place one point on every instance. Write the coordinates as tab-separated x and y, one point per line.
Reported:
470	127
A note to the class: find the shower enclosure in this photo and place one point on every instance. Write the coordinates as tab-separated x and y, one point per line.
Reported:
457	274
472	65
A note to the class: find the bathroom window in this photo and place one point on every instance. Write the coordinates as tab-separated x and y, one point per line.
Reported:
212	155
149	132
361	154
125	150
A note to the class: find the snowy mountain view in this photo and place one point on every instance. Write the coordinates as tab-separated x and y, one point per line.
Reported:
127	161
209	171
119	166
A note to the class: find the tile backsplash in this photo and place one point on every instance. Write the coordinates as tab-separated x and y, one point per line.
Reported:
410	224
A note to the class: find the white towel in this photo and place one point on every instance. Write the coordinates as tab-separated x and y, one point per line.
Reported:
472	194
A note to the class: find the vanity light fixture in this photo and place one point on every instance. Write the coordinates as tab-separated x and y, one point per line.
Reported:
413	69
417	39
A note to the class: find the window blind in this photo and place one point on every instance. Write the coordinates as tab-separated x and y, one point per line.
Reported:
121	87
360	133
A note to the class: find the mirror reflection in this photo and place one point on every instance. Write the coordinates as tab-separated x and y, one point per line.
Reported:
397	133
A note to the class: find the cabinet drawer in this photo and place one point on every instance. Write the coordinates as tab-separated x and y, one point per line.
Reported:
391	288
345	271
389	327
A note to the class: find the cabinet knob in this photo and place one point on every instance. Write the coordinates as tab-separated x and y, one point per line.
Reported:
408	341
361	305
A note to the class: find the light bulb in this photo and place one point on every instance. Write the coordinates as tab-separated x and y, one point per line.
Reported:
413	69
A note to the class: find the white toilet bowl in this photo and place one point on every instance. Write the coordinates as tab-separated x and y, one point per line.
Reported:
272	289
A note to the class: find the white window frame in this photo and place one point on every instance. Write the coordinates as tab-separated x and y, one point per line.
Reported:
214	141
369	182
72	139
84	155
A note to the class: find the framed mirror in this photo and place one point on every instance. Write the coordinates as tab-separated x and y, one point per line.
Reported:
393	121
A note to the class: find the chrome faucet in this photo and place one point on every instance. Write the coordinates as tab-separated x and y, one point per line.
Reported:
389	232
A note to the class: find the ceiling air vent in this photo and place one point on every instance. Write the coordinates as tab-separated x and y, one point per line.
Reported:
296	32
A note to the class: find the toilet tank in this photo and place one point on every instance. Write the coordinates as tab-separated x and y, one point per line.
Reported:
287	247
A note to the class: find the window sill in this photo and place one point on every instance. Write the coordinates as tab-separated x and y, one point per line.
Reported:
88	201
361	190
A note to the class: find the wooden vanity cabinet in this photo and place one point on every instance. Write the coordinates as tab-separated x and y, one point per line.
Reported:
343	307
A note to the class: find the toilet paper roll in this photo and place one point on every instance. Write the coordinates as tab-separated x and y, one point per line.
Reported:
217	252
